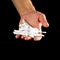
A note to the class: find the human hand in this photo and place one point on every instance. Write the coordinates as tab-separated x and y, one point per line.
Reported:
34	19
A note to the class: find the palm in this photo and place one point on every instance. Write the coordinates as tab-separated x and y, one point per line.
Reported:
34	19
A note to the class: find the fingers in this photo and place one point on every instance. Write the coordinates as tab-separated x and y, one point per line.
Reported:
37	38
28	38
17	36
25	37
43	20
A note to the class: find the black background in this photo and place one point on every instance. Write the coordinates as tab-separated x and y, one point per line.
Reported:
9	20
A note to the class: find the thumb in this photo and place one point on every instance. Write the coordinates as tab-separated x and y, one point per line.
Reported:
43	20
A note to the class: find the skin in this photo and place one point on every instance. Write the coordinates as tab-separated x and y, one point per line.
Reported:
34	19
28	12
23	6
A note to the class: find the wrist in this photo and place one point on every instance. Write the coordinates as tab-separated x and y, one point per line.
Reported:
27	12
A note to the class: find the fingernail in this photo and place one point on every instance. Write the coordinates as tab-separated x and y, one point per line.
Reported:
17	36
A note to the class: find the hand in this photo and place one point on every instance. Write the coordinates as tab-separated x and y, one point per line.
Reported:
34	19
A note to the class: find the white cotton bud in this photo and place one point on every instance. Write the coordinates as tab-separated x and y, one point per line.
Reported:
26	29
